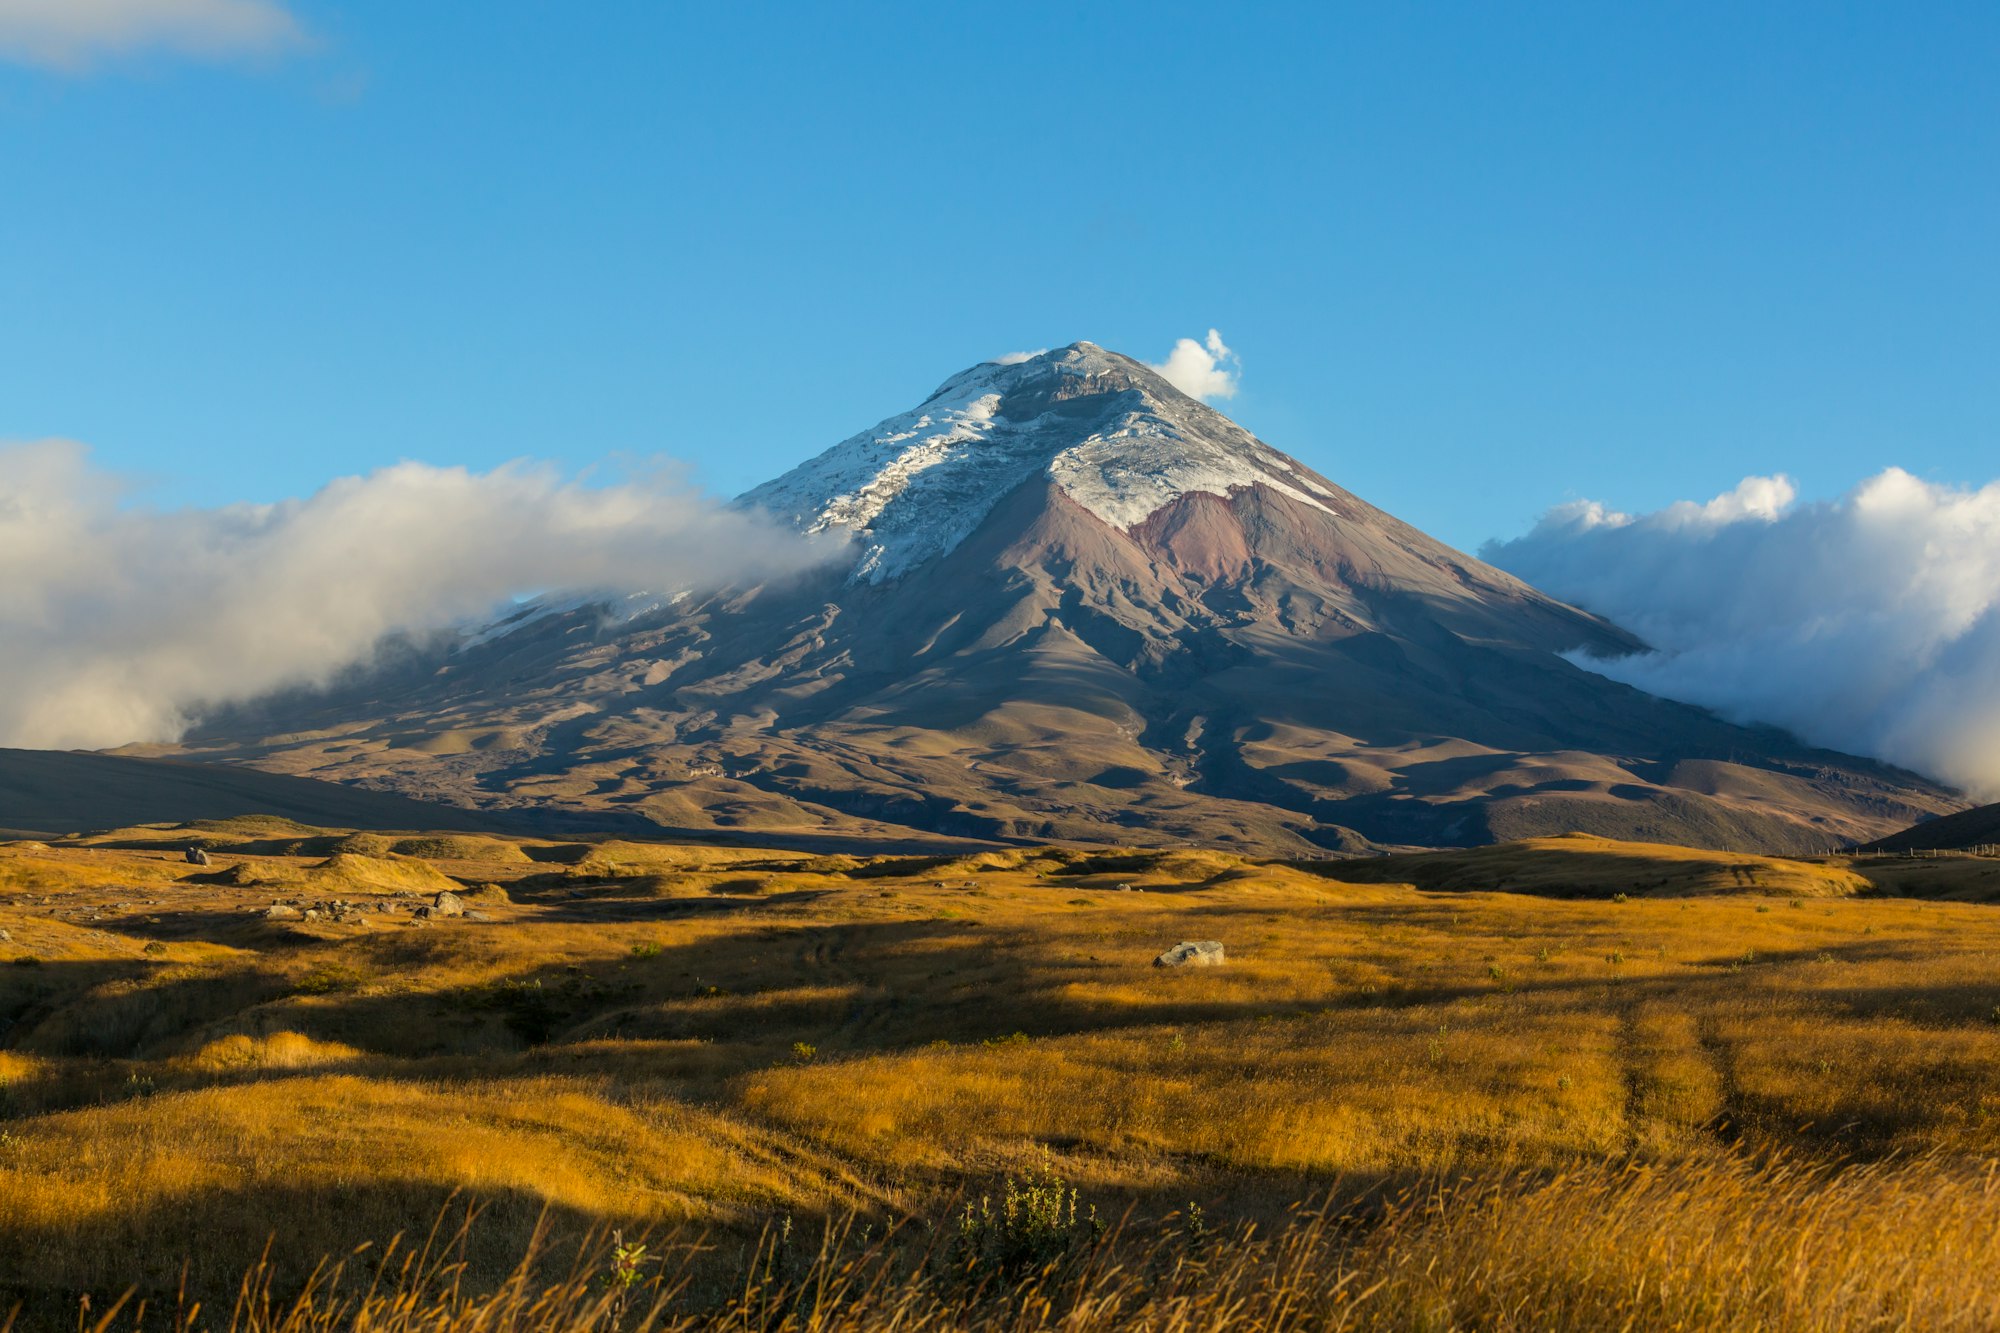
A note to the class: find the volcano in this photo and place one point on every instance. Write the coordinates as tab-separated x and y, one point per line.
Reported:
1078	605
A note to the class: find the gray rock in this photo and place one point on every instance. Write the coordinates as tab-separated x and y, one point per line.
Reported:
195	856
447	904
280	912
474	914
1191	953
5	938
312	914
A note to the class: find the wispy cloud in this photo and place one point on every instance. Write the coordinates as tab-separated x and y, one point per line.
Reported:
1202	369
122	624
71	35
1870	624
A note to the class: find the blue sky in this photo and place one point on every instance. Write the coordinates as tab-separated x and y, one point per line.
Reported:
1476	259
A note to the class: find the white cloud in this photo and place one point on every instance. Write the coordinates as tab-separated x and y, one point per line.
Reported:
1016	358
120	624
71	34
1202	369
1869	624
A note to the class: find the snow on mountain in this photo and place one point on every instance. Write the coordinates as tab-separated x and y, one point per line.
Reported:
619	607
919	483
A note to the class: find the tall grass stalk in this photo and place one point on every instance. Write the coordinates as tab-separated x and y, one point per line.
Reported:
1723	1243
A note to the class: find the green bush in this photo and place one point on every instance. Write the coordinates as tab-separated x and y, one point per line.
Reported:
1036	1226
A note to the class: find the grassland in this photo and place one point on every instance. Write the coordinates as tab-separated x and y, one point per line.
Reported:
1640	1085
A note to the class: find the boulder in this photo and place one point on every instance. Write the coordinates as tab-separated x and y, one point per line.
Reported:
1191	953
447	903
5	938
476	915
195	856
280	912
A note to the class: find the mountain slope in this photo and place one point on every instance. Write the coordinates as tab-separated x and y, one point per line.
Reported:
1978	827
53	792
1082	605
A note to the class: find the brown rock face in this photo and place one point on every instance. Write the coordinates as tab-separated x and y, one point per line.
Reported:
1258	659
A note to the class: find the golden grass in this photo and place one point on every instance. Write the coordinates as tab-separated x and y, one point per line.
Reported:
718	1039
1780	1245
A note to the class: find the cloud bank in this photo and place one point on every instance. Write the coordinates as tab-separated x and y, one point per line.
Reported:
72	34
1869	624
121	624
1202	370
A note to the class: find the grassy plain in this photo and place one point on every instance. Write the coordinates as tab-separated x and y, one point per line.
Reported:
1565	1082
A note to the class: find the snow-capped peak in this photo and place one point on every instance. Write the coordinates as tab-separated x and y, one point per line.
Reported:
1118	440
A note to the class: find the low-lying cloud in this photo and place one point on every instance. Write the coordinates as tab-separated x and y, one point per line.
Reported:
1202	369
1869	624
72	34
121	624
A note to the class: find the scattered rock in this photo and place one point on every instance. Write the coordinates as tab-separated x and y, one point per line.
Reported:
1191	953
195	856
280	912
447	903
474	914
5	938
311	914
1124	888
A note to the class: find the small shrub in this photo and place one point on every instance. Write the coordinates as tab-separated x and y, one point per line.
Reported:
622	1274
1194	1229
329	979
1037	1225
803	1052
646	949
